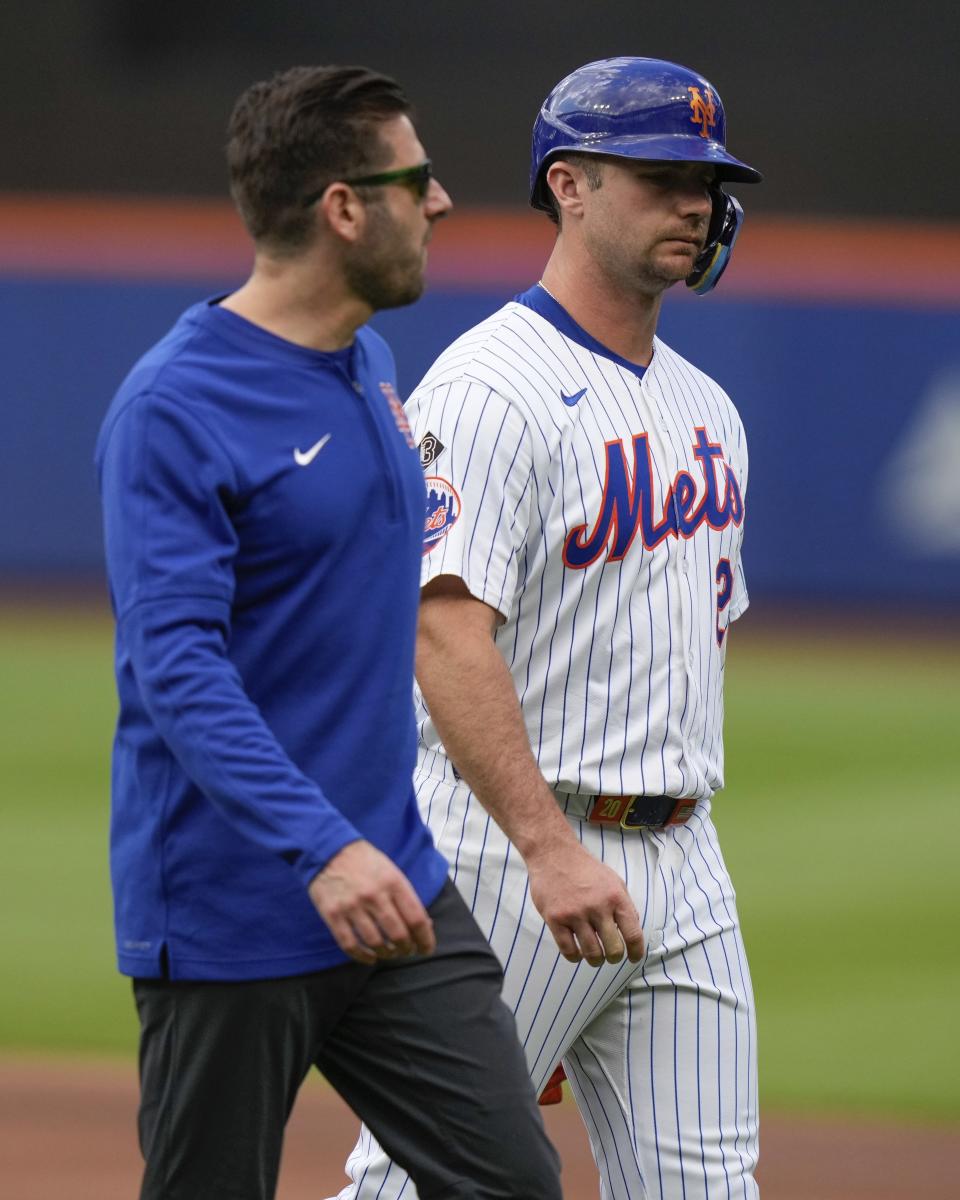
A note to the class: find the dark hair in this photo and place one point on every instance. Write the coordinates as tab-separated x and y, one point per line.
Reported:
590	164
298	132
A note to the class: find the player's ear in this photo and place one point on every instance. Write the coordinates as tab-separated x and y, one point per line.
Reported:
343	210
568	185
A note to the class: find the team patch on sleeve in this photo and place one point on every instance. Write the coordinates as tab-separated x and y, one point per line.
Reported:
430	449
443	510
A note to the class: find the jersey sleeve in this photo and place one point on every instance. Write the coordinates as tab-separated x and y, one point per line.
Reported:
475	447
740	599
168	489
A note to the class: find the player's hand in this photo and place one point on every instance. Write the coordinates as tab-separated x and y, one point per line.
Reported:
585	905
370	907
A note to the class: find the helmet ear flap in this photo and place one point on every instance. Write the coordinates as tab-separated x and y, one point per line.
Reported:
725	221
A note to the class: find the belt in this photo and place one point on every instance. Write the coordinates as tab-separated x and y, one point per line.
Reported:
640	812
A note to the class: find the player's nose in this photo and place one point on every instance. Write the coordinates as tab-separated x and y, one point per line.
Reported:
693	196
438	202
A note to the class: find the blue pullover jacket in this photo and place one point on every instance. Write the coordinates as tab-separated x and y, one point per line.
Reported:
263	512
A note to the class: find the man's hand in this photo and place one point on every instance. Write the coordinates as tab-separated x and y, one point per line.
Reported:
473	702
585	905
370	907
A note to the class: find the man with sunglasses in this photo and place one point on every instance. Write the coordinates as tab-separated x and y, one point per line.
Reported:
279	901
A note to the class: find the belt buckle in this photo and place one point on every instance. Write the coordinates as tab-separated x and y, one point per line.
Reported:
656	812
609	810
640	812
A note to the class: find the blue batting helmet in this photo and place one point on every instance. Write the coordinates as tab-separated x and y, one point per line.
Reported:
644	108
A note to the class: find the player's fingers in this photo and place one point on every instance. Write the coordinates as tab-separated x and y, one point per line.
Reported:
370	934
631	930
590	945
346	938
416	919
611	942
394	928
566	942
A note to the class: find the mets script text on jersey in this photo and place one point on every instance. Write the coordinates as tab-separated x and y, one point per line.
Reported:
627	504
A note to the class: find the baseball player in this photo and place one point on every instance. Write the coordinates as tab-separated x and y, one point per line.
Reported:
582	567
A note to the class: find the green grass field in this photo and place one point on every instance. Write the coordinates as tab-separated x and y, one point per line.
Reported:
840	824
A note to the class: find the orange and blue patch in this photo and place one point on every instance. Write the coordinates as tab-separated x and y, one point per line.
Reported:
443	511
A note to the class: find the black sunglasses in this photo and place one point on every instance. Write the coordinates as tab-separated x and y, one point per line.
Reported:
416	178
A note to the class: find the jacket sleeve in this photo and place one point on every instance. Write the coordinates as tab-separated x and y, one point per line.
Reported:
168	487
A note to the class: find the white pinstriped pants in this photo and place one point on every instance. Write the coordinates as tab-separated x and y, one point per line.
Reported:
661	1055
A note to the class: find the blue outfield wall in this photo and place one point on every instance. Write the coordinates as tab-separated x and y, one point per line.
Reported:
852	414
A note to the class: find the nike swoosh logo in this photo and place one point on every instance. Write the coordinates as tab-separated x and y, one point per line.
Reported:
303	458
570	401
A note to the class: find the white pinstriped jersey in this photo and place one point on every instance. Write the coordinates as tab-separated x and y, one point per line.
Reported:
598	507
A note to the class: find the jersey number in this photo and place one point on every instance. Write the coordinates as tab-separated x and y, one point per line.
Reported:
724	578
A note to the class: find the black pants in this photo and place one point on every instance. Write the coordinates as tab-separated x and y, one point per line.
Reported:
422	1049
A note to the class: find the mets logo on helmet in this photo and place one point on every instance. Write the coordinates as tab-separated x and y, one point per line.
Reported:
703	109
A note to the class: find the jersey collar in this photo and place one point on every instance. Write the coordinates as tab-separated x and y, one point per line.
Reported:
540	300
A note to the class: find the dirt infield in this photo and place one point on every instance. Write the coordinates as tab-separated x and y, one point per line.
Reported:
67	1130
